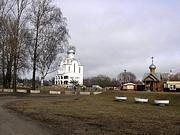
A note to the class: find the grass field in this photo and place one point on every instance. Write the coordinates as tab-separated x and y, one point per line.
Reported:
101	115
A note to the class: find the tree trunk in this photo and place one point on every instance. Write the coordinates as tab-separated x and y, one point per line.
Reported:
3	67
34	72
8	75
15	54
15	72
35	59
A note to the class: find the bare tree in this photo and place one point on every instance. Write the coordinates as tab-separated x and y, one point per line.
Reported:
165	76
177	77
6	25
8	51
115	82
49	31
126	77
170	77
12	38
53	37
46	61
20	6
2	5
101	80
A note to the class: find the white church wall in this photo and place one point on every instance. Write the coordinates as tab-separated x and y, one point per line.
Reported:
70	67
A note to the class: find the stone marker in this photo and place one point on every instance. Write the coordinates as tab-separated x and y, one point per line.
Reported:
55	92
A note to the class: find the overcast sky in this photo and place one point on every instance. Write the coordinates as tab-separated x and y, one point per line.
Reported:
113	35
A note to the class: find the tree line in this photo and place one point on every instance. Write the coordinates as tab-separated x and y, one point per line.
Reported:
106	81
124	77
170	77
32	33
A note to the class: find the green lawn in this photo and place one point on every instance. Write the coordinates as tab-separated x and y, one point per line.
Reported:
101	115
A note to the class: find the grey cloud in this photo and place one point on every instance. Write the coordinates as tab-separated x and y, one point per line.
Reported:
111	36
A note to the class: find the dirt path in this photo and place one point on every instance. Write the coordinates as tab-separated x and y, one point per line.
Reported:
14	124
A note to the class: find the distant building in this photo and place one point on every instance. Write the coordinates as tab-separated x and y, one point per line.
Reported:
172	86
129	86
152	80
70	70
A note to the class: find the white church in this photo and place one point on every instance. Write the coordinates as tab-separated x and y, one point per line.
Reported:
70	70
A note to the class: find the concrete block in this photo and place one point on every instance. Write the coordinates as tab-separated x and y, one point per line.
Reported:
85	93
55	92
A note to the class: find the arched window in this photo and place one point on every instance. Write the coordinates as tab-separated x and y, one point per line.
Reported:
79	69
69	68
74	67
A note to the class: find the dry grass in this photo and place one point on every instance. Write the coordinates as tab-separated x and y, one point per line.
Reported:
46	89
101	115
5	94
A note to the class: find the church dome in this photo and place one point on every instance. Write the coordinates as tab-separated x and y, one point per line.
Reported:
152	66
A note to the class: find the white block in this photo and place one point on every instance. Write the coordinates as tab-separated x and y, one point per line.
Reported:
84	93
141	100
54	92
8	90
161	102
22	91
120	98
35	91
97	92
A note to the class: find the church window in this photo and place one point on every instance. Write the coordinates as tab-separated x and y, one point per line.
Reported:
74	67
65	77
65	82
69	68
173	87
79	69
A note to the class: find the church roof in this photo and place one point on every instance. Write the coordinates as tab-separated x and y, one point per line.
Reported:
129	84
156	76
68	61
